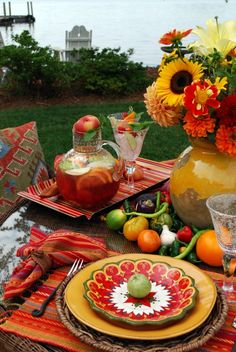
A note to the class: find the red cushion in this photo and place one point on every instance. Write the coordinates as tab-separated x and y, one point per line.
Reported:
21	164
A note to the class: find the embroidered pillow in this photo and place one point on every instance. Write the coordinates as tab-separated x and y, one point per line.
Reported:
21	164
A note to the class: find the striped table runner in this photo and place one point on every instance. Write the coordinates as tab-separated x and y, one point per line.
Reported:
49	330
154	172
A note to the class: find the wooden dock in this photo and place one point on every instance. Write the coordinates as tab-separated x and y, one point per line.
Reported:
9	19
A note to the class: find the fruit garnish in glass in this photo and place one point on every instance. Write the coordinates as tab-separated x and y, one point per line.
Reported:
129	133
88	175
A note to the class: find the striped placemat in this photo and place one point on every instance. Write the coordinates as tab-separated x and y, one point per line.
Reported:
154	172
49	330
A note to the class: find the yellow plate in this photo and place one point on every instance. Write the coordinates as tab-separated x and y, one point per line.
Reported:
80	307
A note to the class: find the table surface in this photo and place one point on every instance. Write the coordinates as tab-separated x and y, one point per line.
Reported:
16	229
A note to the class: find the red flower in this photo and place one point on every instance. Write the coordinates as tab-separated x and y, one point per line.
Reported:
174	37
199	96
227	111
226	140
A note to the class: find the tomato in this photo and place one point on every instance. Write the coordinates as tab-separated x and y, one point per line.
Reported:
138	173
149	241
134	226
115	219
208	250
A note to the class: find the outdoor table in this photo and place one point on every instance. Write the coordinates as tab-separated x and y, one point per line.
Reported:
49	220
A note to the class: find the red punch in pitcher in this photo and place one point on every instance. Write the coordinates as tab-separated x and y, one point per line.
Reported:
88	175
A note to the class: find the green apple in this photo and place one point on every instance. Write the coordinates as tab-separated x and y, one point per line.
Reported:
139	285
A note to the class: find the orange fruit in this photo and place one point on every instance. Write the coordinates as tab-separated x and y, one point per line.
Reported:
208	250
149	241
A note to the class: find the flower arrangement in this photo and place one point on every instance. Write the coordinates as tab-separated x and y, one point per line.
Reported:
196	84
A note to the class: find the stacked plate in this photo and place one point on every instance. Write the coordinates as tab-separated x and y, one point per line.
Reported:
181	297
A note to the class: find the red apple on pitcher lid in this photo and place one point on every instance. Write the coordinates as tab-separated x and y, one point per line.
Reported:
86	123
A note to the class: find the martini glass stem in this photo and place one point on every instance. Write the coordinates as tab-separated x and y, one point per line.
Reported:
130	167
229	268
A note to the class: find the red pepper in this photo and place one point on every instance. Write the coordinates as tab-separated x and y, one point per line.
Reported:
185	234
165	197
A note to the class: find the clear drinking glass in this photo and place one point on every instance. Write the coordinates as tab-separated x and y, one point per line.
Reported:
222	208
130	142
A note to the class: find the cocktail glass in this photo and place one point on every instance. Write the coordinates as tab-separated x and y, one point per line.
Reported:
222	208
130	141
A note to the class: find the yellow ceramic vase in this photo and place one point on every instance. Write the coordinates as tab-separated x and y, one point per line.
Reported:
199	172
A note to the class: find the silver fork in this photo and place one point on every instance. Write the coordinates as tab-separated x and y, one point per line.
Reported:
77	265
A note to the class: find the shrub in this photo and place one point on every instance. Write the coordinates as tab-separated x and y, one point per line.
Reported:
109	72
34	70
31	69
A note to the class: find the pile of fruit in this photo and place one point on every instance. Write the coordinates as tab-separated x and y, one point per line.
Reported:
151	221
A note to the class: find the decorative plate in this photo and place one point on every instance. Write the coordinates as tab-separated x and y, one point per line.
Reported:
172	292
155	173
80	307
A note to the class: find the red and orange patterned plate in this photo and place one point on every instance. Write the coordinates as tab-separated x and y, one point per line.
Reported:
80	307
173	293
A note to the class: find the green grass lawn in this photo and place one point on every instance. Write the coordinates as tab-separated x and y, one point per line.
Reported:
55	124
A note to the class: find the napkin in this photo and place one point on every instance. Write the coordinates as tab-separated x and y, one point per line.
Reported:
50	251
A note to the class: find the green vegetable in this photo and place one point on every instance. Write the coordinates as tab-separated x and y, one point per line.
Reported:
174	249
127	208
158	200
165	219
192	258
176	222
164	250
194	229
155	225
162	210
191	244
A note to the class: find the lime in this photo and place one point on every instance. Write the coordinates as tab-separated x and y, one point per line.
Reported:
115	219
139	285
131	140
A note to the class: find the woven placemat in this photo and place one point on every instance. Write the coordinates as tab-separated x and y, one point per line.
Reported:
183	343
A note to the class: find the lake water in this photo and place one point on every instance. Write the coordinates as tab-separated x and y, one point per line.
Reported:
136	24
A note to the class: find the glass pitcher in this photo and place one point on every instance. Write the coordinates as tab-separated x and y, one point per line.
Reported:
88	175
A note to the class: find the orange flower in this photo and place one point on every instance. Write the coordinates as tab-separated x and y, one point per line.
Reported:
232	52
226	140
160	112
174	37
199	96
198	127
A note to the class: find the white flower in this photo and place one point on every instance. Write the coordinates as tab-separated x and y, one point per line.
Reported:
219	36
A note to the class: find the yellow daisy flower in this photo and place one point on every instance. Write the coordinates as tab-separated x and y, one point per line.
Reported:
220	83
174	77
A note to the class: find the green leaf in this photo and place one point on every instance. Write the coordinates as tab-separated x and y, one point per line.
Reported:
138	126
89	135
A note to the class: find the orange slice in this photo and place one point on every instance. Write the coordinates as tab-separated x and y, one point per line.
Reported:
130	117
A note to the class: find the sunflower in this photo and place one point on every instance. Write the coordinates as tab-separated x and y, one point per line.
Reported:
174	77
161	113
226	140
198	127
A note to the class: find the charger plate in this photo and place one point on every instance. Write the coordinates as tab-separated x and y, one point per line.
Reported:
186	342
80	308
